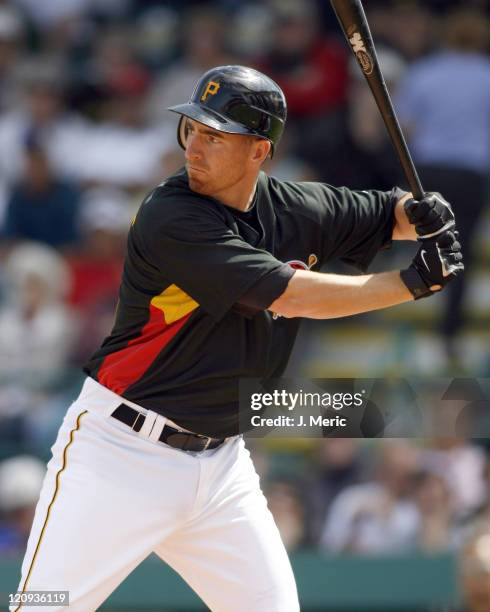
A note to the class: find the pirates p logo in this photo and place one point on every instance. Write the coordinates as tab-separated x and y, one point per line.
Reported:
211	90
312	260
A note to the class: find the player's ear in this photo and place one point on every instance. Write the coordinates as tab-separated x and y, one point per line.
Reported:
260	150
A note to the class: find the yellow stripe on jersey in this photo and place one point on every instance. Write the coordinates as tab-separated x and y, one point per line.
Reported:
55	494
174	303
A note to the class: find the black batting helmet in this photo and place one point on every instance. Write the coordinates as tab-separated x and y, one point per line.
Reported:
236	100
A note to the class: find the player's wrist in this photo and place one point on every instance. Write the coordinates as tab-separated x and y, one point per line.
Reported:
450	225
415	283
437	262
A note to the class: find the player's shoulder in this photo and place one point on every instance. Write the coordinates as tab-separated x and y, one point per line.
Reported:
291	190
173	189
285	194
320	202
174	201
301	197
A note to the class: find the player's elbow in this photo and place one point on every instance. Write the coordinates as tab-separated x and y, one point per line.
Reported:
287	307
291	303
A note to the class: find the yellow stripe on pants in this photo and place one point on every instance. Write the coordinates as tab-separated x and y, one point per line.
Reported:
56	489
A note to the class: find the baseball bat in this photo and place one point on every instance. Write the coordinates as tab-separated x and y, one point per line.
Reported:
350	14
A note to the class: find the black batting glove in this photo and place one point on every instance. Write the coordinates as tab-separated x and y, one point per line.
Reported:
431	216
436	263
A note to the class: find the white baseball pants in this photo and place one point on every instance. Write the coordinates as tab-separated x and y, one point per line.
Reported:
111	496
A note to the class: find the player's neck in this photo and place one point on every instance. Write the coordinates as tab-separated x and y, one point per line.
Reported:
239	196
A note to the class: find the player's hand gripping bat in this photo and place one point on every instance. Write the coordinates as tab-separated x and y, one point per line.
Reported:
356	29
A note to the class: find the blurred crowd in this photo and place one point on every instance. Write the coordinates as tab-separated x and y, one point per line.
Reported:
84	135
341	496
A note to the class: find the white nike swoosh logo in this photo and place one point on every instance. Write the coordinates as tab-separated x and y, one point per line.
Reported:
422	255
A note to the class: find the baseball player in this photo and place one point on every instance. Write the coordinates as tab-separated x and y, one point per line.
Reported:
219	271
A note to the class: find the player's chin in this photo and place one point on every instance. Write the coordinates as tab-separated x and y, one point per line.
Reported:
198	184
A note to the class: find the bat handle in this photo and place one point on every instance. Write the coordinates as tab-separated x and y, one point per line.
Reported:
410	171
416	189
398	139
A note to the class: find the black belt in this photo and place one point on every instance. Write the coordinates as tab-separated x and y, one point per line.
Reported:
171	436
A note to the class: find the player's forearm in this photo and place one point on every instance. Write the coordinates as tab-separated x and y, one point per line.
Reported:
403	230
327	296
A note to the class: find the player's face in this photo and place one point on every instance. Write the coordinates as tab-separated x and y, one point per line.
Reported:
216	161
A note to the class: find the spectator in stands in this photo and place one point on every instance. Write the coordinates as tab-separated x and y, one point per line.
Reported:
115	58
20	483
156	35
286	166
250	25
434	501
475	554
54	14
96	265
37	331
444	103
287	506
42	112
339	463
475	565
41	207
204	46
365	157
11	32
123	149
410	27
377	517
485	506
463	465
312	71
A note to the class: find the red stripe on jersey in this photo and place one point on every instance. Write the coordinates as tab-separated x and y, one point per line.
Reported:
121	369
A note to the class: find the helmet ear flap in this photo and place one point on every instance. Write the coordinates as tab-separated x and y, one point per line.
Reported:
181	132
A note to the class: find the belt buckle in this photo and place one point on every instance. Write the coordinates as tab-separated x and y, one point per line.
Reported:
207	443
139	414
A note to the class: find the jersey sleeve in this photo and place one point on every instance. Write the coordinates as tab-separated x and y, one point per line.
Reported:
355	225
193	248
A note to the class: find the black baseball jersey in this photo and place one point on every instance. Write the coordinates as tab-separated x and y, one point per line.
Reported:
198	278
